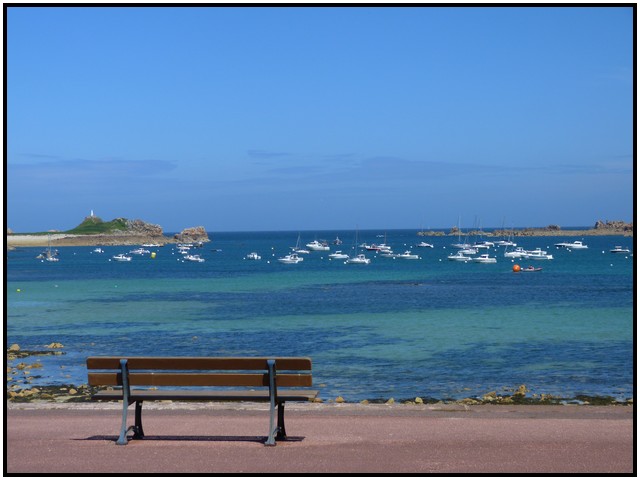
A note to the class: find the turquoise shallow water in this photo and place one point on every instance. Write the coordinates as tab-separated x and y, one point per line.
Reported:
395	328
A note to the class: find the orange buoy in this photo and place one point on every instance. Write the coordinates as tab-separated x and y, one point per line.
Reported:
516	268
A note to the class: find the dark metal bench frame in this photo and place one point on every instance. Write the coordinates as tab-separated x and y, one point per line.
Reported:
197	371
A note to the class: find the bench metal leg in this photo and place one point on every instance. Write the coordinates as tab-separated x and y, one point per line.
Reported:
126	401
138	433
137	429
122	439
273	429
282	434
276	432
273	395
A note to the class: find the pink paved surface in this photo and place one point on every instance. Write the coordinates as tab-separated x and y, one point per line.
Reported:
219	438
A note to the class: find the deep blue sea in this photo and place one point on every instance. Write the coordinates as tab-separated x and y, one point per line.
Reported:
430	327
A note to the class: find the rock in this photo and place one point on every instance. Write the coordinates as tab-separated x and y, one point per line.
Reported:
364	402
193	234
521	391
616	225
138	227
339	399
419	401
72	391
391	401
14	348
54	345
490	397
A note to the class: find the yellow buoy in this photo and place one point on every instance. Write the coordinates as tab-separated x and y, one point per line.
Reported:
516	268
153	254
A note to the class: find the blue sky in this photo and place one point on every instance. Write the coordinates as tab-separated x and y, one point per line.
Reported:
283	118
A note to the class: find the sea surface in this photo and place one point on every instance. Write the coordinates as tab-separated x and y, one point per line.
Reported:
398	329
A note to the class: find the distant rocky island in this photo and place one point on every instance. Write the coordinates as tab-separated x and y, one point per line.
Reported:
120	231
616	227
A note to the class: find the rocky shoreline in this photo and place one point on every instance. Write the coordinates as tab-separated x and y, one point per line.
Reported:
20	389
188	235
599	229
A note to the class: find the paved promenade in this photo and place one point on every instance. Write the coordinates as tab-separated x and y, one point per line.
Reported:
325	439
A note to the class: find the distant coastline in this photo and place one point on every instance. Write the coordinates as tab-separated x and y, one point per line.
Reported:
600	229
95	232
76	240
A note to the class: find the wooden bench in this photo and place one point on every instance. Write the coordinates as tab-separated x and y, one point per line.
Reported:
260	377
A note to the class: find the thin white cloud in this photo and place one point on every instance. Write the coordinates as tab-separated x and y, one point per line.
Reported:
87	170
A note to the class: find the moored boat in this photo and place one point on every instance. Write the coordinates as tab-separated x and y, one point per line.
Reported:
485	258
459	257
318	246
194	258
619	249
359	259
139	251
537	254
291	258
407	255
577	245
517	253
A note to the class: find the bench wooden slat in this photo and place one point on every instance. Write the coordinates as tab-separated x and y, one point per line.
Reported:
198	363
200	379
186	395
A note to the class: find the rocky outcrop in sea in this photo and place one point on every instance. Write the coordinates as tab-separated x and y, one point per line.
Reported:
193	234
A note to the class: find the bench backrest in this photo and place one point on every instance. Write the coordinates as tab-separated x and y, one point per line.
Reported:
199	371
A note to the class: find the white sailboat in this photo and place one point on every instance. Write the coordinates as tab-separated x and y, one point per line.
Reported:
48	255
298	249
358	258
